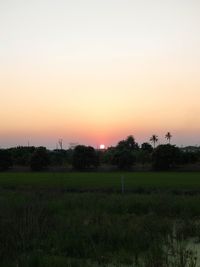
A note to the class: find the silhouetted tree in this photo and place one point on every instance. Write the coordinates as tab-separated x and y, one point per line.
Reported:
21	155
129	144
5	160
165	157
124	154
154	139
40	159
147	147
189	157
123	158
143	157
168	136
145	153
60	157
84	158
108	155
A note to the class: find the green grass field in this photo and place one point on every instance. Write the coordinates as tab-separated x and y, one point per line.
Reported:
46	222
93	181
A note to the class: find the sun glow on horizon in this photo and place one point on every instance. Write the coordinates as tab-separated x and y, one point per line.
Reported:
97	71
102	147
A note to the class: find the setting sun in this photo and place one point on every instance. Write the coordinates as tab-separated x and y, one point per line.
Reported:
90	70
102	146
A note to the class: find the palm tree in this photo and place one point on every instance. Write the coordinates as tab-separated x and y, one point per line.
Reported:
168	136
154	139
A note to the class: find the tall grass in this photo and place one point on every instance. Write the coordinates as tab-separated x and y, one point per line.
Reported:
55	228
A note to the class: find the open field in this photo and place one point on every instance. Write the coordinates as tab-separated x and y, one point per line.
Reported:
104	181
42	224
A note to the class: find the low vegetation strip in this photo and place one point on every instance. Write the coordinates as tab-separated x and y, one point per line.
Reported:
44	225
94	181
70	229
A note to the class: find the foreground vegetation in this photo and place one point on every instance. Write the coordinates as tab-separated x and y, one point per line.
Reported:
79	230
42	224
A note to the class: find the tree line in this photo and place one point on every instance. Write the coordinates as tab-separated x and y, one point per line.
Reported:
126	155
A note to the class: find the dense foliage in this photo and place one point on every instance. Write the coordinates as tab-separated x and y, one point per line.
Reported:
39	159
126	155
165	157
5	160
84	158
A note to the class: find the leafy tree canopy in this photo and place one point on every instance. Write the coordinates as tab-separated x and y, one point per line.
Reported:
84	157
129	144
165	157
147	147
5	160
40	159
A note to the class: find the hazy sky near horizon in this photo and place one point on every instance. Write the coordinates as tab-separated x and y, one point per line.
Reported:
95	71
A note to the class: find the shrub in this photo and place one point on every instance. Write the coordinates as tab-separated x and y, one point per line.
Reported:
5	160
40	159
165	157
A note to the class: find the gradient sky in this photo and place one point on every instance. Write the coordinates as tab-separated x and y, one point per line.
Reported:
95	71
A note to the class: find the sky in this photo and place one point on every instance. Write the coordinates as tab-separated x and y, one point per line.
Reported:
96	71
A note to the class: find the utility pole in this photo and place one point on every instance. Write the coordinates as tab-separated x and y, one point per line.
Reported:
60	142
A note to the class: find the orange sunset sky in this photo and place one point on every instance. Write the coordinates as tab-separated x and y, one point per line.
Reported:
95	71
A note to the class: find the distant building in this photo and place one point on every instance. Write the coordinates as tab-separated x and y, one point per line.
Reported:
191	149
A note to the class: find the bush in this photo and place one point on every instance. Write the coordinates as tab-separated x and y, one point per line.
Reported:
165	157
124	159
84	158
5	160
40	159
